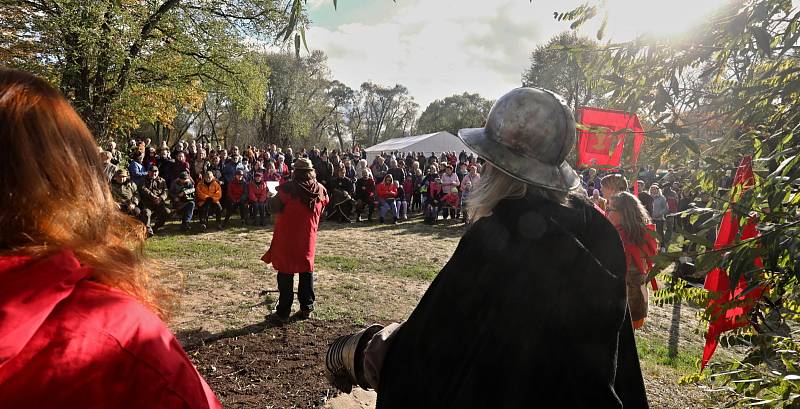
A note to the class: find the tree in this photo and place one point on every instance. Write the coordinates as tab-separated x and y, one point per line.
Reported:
454	113
738	74
122	63
388	112
560	66
298	103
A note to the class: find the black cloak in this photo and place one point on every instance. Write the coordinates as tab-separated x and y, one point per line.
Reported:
529	312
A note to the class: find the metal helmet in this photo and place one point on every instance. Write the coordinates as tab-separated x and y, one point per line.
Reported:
528	135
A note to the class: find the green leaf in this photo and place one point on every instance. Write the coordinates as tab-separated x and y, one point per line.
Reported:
690	144
303	36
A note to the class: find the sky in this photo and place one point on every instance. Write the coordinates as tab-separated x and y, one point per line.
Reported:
437	48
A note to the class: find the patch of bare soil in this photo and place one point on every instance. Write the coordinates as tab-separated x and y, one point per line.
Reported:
271	367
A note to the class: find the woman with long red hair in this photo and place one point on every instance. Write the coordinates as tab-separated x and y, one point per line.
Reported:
80	313
637	232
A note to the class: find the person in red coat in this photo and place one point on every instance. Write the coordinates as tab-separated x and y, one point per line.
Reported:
298	206
79	324
258	193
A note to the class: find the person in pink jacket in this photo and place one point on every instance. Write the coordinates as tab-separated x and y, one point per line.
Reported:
80	322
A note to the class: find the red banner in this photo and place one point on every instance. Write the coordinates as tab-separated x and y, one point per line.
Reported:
604	148
717	282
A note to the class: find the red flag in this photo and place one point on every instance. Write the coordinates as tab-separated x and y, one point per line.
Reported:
717	281
605	148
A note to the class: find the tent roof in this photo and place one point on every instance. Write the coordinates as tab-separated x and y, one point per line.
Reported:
434	142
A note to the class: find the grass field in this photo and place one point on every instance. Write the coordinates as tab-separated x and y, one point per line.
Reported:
371	273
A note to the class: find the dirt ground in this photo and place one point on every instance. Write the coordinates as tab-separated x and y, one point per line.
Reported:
361	277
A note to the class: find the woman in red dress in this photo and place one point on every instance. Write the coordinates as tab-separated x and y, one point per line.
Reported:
298	206
80	314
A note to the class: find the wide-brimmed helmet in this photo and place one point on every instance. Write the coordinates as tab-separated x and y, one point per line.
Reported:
528	135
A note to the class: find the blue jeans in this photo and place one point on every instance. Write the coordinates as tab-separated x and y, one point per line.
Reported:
187	210
387	205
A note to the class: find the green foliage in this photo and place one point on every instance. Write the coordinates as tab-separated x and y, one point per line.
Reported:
125	63
454	113
730	88
562	65
657	351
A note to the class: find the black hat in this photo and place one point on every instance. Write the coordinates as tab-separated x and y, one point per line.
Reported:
239	172
184	175
153	168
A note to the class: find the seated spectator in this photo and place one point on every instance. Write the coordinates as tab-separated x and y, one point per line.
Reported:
451	203
116	155
281	168
257	194
398	174
80	324
272	175
402	203
200	166
209	194
136	169
125	194
153	194
237	197
379	168
181	193
341	204
433	201
109	168
471	177
365	194
387	197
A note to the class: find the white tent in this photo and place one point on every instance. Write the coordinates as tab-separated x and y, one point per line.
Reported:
433	142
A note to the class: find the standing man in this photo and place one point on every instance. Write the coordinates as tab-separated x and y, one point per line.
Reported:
298	206
644	198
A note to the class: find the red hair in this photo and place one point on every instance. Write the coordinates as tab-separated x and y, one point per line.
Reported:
55	195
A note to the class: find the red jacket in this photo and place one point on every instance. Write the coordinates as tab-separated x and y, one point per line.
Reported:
236	191
294	238
257	192
69	342
387	192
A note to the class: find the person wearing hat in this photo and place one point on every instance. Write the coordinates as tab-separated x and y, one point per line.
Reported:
153	194
125	193
531	309
237	197
181	193
298	207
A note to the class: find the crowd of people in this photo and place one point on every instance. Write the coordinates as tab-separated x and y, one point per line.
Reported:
663	196
199	179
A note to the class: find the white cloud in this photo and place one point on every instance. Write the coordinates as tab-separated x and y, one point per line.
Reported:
437	48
